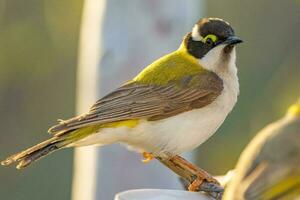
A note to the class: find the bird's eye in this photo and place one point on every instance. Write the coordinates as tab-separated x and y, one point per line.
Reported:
210	39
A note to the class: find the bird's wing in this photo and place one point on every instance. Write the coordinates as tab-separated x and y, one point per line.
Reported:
135	100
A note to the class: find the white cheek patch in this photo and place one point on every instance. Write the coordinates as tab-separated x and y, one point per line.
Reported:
211	60
214	60
195	33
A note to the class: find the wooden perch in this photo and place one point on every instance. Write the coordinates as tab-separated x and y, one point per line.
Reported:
198	179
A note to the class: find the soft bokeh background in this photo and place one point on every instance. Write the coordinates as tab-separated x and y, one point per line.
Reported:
38	58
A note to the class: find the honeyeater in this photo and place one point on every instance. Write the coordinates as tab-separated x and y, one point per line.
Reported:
269	167
172	106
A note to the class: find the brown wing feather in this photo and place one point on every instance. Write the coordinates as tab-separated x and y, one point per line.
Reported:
135	101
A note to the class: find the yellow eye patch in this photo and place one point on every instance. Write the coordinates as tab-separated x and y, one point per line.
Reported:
210	37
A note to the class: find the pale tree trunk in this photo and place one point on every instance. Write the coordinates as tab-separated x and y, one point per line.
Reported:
118	39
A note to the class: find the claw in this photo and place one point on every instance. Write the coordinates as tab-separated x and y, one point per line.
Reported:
200	179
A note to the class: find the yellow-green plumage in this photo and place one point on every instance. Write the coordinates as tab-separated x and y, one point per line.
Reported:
83	132
173	67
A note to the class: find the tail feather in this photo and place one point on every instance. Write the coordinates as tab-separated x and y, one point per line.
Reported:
36	152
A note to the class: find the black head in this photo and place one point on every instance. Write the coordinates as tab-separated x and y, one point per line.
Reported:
209	33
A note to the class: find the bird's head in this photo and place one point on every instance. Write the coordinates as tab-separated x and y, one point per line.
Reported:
212	41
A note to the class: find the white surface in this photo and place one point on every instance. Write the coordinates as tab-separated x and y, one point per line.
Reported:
157	194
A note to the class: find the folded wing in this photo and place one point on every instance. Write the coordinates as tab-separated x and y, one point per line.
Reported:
135	100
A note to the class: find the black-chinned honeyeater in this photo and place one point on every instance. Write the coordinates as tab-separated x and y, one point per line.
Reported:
269	167
172	106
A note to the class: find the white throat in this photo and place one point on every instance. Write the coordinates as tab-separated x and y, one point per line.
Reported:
215	61
224	67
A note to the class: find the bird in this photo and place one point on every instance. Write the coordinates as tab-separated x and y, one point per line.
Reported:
172	106
269	167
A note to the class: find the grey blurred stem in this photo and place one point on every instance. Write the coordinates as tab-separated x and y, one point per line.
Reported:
118	39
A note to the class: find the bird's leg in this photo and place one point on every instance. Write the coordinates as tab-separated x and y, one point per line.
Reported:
199	179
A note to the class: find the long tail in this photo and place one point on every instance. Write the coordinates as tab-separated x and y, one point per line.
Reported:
36	152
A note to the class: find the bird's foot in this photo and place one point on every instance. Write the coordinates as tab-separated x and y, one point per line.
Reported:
206	183
213	189
147	157
199	179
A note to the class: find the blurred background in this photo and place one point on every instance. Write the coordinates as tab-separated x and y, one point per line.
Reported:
39	44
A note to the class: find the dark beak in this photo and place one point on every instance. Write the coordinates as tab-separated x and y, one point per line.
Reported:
233	40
